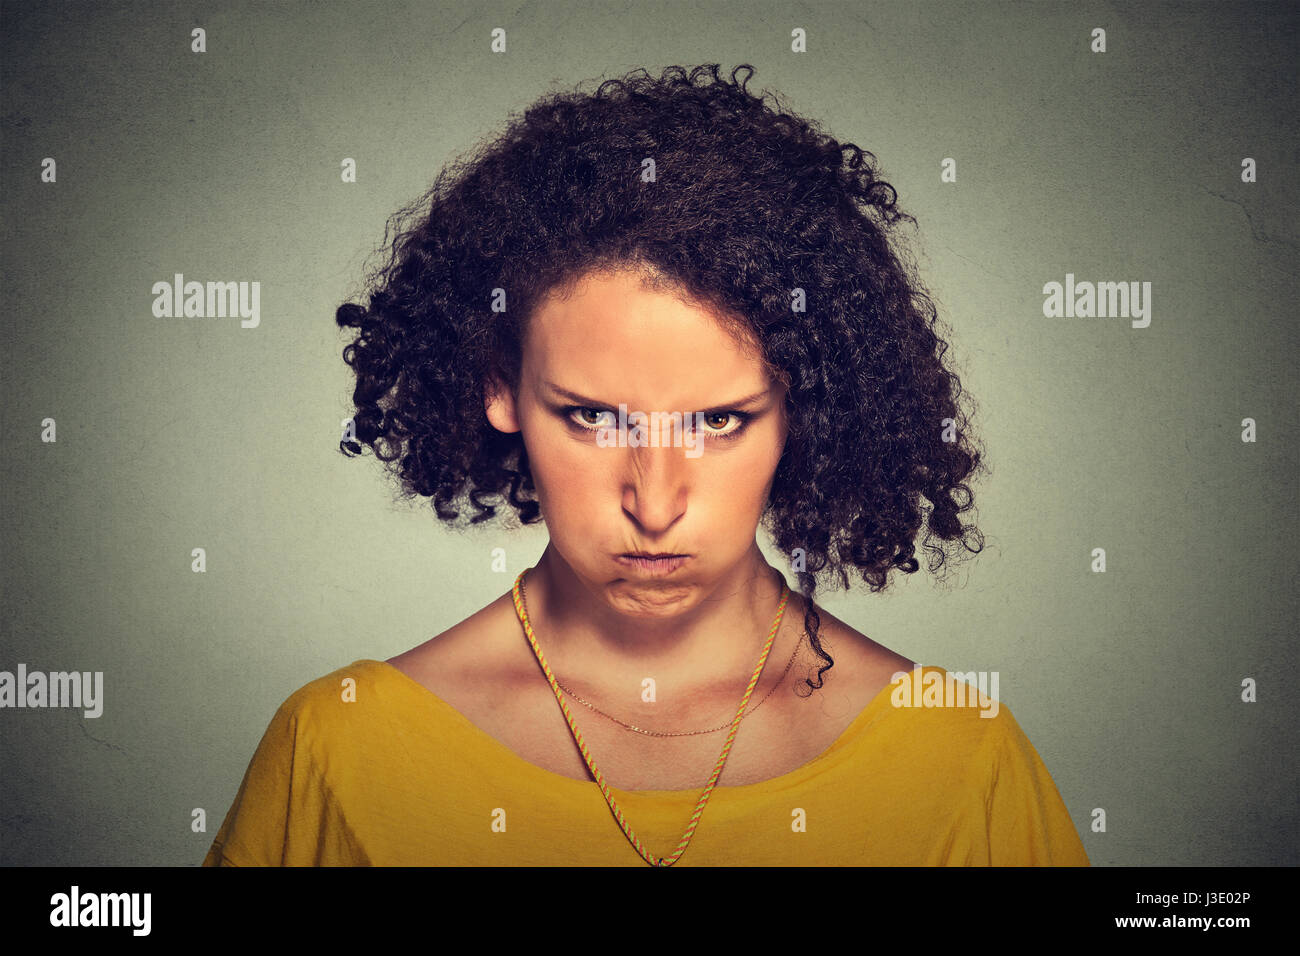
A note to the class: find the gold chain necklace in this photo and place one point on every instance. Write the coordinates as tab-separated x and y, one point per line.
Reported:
586	755
679	733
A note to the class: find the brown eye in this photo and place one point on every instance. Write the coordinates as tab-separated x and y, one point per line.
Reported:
716	422
597	422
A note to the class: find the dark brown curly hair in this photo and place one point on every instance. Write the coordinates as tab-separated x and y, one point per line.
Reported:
748	209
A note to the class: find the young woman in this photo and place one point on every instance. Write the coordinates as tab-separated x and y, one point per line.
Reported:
671	253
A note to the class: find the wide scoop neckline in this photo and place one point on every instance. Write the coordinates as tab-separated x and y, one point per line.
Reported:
558	779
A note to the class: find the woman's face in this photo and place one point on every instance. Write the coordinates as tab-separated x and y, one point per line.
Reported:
614	341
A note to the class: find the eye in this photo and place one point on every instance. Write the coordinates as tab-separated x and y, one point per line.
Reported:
715	423
600	420
720	430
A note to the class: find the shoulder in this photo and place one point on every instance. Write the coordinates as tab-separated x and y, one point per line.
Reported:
859	651
485	650
967	759
955	719
863	667
338	686
349	700
319	743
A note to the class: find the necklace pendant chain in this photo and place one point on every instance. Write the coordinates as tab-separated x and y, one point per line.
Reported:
685	733
522	612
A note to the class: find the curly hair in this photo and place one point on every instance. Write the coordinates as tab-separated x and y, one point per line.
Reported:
748	209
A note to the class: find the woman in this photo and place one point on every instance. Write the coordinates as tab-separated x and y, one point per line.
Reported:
656	317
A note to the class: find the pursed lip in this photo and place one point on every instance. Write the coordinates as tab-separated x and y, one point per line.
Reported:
652	565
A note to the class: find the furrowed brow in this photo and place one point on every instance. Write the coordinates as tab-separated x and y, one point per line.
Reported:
588	401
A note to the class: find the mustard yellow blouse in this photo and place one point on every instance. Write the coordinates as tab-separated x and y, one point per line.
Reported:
380	771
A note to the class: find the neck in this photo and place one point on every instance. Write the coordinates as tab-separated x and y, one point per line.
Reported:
695	637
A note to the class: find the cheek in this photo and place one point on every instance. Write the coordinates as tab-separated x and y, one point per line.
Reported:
728	494
552	454
564	471
745	474
743	486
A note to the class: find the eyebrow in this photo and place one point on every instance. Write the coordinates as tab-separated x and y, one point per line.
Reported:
589	402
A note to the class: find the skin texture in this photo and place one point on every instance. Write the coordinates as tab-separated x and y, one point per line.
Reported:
603	627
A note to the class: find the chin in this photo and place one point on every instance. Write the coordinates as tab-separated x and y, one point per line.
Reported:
649	598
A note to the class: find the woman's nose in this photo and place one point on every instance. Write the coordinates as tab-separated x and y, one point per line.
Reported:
655	486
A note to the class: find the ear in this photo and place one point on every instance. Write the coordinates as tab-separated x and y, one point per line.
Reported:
499	404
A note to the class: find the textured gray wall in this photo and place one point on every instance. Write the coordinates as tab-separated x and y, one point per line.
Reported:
174	434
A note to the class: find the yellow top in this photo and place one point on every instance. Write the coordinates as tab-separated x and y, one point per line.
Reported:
398	777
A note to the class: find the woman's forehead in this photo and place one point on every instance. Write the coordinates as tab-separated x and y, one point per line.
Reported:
612	332
623	309
649	382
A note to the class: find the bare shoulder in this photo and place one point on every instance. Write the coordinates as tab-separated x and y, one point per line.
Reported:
862	667
457	661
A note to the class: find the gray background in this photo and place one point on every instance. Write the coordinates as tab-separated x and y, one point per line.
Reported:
178	433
